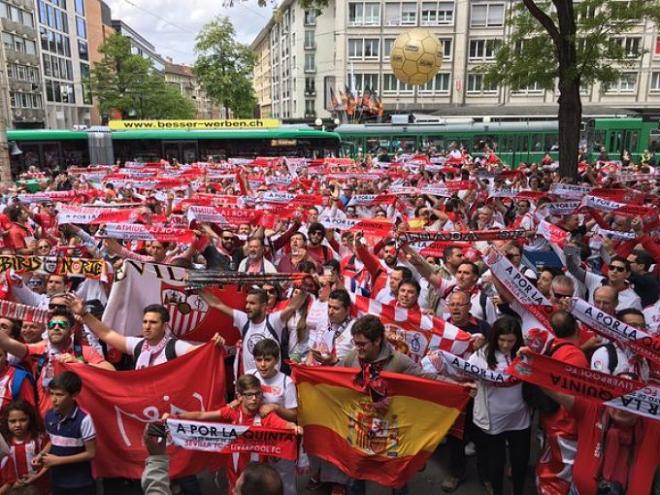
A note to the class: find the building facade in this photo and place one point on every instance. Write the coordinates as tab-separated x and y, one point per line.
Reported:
22	77
182	78
99	28
65	62
348	45
263	73
139	45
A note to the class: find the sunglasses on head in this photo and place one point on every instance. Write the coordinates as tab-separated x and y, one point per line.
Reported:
617	268
52	306
58	324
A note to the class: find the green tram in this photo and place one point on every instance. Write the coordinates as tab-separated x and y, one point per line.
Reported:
514	142
63	148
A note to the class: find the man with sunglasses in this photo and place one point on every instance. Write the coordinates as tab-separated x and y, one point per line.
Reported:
618	272
55	285
60	345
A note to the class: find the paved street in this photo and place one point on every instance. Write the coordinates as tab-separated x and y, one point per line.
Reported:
426	482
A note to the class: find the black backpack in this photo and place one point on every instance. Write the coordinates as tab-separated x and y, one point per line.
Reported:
534	396
284	344
170	350
612	357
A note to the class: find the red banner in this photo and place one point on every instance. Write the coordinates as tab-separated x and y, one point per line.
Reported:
122	402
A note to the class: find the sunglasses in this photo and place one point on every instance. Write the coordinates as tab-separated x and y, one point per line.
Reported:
58	324
562	296
53	307
617	268
271	292
316	232
227	238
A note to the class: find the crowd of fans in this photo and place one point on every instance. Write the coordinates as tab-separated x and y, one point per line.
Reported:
605	254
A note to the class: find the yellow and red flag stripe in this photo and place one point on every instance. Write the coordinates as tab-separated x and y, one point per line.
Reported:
385	442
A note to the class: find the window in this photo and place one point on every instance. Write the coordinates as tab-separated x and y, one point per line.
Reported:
437	13
81	28
534	88
483	49
83	50
362	49
310	63
387	47
438	85
371	48
409	14
28	19
362	82
476	84
310	85
310	109
656	52
309	40
655	82
390	84
310	18
80	7
627	83
447	44
355	47
363	14
630	46
487	15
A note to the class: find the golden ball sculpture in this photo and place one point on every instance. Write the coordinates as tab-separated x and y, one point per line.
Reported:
416	56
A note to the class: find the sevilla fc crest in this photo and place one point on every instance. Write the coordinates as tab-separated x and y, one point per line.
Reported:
187	311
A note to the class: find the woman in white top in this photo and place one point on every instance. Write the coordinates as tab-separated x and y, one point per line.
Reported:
500	412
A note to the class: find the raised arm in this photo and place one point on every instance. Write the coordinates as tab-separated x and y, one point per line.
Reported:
572	253
100	329
213	301
423	267
295	303
13	346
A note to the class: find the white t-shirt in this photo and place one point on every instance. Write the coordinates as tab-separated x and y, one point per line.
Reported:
628	298
652	318
278	389
180	348
256	333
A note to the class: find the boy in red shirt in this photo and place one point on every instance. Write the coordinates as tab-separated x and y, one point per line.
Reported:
243	411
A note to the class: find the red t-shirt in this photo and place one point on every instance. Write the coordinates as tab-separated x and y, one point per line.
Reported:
34	352
16	236
236	463
589	417
562	422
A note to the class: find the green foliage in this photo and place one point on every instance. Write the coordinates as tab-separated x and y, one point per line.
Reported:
224	67
531	55
128	83
305	4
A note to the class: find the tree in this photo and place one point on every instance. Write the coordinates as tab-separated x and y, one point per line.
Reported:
224	67
305	4
127	83
575	43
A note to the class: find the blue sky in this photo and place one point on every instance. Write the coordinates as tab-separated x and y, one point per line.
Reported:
171	25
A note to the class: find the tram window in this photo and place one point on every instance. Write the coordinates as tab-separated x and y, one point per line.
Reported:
373	144
51	155
654	141
598	140
405	143
616	140
75	153
633	146
506	144
438	142
523	143
537	142
551	142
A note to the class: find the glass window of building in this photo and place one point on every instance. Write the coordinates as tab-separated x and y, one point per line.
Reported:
81	28
80	7
487	14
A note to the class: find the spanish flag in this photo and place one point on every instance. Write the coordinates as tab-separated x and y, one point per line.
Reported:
386	442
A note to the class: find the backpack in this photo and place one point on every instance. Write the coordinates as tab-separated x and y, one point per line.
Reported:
534	396
19	377
284	343
170	350
612	357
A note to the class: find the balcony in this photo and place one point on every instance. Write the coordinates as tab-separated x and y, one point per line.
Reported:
310	45
310	70
310	115
310	92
